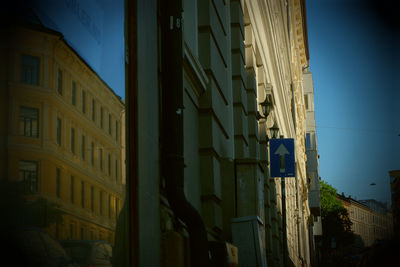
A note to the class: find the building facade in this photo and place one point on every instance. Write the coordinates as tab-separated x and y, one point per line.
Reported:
62	126
312	166
395	191
235	55
371	220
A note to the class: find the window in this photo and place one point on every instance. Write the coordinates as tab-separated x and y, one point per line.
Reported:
109	123
29	121
28	175
93	110
116	130
82	194
306	101
58	182
59	131
308	141
83	147
73	140
101	158
101	202
92	198
109	206
92	153
72	189
73	93
82	233
101	117
30	66
109	164
59	81
116	170
83	101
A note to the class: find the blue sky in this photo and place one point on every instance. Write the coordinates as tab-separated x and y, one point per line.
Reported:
95	29
352	51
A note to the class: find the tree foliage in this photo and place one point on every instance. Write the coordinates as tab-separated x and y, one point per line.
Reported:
336	223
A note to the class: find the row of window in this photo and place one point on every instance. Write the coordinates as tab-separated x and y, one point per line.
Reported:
363	216
82	231
102	111
102	196
29	126
92	149
30	74
28	175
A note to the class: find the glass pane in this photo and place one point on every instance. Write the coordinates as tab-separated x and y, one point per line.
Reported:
62	183
30	69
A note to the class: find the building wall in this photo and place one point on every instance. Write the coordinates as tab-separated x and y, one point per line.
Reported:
85	215
395	191
371	225
233	58
312	162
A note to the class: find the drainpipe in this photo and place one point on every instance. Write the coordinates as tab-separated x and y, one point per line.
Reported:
172	129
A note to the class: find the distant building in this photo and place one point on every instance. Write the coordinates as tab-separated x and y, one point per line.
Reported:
371	220
62	126
312	164
395	190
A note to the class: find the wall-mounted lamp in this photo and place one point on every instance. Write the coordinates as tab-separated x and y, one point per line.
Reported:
274	131
266	107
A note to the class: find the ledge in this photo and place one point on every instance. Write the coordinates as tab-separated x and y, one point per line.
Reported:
194	71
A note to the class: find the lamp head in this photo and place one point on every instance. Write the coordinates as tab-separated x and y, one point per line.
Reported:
266	106
274	130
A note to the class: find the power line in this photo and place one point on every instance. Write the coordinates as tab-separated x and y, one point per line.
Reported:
371	130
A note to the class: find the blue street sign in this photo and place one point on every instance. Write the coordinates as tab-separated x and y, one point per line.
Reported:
281	154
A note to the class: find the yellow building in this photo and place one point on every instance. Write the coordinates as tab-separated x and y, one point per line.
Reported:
369	223
62	126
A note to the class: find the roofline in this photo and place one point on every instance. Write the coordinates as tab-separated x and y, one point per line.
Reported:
349	199
42	28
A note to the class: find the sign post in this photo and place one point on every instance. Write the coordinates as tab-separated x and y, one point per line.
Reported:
282	165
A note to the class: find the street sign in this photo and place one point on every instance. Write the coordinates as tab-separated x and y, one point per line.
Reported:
282	157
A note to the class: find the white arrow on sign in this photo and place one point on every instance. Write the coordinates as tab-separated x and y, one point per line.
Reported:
282	151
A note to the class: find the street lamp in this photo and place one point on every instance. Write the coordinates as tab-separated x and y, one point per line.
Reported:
274	130
266	107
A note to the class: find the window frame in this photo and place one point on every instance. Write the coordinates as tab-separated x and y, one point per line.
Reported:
73	93
83	194
92	153
60	81
59	131
27	120
101	158
73	140
72	189
93	110
83	146
101	117
109	124
30	181
28	74
83	96
58	182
